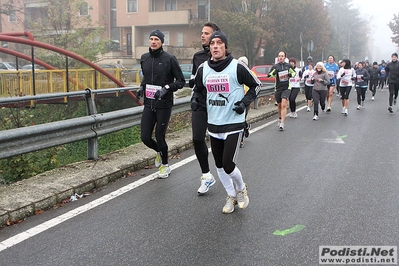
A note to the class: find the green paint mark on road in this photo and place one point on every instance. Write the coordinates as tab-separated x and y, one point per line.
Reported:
341	137
294	229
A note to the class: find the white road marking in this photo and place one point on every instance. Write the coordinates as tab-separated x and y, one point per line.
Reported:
82	209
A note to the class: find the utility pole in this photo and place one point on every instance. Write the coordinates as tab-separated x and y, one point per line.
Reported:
209	10
300	41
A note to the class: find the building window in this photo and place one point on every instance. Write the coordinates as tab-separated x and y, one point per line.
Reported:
12	17
202	9
153	5
170	5
84	9
179	42
131	6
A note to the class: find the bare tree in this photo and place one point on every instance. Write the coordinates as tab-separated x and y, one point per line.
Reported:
394	26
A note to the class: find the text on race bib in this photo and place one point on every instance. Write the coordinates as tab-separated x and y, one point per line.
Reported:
150	90
218	83
283	75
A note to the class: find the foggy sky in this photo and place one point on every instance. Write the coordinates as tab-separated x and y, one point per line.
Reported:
379	14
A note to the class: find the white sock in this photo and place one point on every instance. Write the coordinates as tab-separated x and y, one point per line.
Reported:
236	176
227	182
207	175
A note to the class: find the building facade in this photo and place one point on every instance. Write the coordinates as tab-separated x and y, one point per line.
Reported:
128	24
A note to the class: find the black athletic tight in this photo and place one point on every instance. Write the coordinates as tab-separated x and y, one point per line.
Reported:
160	117
199	126
393	92
319	96
361	94
294	94
225	151
373	86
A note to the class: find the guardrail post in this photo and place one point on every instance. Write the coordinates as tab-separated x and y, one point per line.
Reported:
92	143
256	103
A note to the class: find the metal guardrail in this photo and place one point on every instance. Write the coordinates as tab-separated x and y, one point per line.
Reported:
33	138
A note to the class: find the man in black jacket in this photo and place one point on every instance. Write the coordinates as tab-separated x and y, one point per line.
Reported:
199	114
375	75
162	76
392	73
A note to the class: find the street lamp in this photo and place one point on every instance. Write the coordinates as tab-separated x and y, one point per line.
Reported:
349	36
300	41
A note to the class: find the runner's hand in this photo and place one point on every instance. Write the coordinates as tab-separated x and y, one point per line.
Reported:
240	107
194	103
161	93
140	92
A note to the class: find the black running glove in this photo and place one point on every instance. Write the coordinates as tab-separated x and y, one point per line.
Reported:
140	92
194	104
161	93
240	107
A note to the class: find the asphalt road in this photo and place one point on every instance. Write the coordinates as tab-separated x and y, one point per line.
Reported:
335	178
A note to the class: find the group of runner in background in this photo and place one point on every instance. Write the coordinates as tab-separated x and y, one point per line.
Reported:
324	79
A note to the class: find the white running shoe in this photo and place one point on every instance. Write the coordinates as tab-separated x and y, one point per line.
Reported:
279	122
295	115
359	107
207	180
281	126
308	109
343	110
230	203
315	117
242	198
164	171
346	111
372	98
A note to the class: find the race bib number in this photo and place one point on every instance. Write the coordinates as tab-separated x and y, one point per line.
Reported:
218	83
345	81
359	78
283	75
383	71
331	74
150	90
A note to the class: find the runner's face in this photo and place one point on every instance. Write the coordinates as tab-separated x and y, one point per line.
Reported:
292	64
310	66
360	65
281	57
394	58
330	59
218	49
318	68
155	43
205	34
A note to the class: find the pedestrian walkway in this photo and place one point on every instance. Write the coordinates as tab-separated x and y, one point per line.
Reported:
25	198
